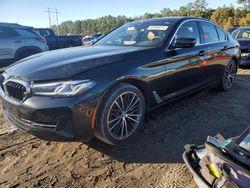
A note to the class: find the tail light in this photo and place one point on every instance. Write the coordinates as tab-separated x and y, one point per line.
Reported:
41	39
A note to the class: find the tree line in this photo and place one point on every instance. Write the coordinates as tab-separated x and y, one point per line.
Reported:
226	16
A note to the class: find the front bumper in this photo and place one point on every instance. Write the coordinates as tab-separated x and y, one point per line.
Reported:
245	60
54	119
245	63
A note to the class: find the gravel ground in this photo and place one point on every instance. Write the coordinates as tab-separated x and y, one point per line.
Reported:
151	159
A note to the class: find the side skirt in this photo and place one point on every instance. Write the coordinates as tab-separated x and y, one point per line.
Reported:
170	98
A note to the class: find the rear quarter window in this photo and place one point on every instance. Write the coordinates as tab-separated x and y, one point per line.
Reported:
209	33
221	34
26	33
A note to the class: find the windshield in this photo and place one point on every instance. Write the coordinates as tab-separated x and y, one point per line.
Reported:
146	34
242	34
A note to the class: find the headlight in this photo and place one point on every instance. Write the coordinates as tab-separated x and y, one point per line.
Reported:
245	54
67	88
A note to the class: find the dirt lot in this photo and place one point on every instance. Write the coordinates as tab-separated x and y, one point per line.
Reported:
152	159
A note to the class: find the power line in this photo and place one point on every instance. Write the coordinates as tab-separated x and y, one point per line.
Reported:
50	12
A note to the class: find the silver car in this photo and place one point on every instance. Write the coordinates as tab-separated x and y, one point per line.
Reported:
18	42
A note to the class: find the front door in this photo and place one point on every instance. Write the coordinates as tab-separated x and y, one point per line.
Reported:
183	72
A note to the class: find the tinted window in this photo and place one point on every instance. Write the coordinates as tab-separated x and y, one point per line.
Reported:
45	33
7	32
26	33
222	35
209	33
243	34
189	30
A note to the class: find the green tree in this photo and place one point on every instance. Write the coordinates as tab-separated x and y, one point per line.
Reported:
245	21
200	5
244	3
77	27
224	16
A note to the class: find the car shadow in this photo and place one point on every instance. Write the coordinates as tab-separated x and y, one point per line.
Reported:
189	121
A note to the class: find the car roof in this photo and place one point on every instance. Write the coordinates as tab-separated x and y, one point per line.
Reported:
42	28
14	25
174	18
243	28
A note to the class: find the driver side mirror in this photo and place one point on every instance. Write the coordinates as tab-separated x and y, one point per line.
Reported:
184	43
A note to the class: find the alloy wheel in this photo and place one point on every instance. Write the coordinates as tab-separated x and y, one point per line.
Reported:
124	115
230	75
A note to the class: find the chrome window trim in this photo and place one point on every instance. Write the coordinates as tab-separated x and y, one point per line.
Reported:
197	20
218	28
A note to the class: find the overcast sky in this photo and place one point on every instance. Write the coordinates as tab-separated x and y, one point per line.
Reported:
31	12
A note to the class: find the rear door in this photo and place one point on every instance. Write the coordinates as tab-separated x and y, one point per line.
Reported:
214	40
9	40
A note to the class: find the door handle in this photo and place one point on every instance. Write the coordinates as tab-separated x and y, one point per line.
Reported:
202	53
225	48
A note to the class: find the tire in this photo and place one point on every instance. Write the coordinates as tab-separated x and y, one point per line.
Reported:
25	53
228	76
120	115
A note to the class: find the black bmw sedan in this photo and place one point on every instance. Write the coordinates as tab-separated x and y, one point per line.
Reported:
105	90
242	34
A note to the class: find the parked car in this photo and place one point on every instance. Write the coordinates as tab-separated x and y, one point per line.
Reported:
96	36
105	90
232	29
18	42
58	42
90	40
242	34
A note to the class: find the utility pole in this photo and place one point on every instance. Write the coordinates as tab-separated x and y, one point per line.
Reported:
58	32
49	17
53	11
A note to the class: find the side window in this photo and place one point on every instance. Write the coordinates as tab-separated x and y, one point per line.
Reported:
244	34
25	33
44	33
8	33
222	35
235	33
189	30
209	33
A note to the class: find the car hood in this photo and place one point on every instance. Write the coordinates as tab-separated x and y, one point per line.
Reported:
65	63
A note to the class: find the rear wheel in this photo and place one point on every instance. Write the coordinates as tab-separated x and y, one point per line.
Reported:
121	113
229	76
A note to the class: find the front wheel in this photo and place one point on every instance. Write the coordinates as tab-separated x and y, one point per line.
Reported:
121	113
229	76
